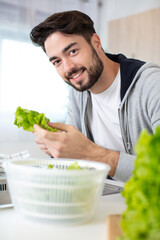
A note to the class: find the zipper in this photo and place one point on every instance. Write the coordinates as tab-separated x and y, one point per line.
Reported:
120	123
125	142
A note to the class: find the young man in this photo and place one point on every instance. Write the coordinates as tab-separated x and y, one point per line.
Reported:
112	98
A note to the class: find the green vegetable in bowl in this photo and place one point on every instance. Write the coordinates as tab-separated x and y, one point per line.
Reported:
141	219
73	166
27	118
50	166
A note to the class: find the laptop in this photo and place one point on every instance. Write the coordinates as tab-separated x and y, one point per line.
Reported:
5	199
112	186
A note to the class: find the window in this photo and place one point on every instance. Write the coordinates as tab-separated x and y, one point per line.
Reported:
29	80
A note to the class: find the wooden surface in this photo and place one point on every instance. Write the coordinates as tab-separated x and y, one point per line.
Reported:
113	226
136	36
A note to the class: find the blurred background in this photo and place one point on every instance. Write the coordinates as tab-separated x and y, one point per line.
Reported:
27	79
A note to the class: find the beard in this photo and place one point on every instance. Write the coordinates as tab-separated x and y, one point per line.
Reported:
94	72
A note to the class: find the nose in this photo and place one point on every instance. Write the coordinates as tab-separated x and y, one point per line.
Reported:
68	66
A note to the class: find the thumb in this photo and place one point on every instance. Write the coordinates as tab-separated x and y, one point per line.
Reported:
60	126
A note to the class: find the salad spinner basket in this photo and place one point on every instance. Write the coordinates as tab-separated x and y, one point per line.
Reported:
58	194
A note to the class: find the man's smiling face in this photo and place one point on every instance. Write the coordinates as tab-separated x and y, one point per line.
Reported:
76	61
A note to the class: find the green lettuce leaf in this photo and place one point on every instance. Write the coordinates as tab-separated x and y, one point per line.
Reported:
141	219
27	118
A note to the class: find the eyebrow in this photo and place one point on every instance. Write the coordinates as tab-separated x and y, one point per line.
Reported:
63	51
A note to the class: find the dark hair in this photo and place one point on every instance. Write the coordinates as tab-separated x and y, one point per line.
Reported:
69	22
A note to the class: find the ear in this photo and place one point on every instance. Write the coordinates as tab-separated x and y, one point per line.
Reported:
96	42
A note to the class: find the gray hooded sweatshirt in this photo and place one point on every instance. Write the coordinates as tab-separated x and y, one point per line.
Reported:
139	108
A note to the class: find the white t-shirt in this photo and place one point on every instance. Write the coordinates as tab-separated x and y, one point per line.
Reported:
103	117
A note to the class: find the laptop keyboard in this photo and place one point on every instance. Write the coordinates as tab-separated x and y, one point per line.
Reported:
111	189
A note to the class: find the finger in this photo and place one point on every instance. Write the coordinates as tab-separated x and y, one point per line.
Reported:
36	127
48	153
43	136
38	131
42	147
41	132
60	126
39	141
45	150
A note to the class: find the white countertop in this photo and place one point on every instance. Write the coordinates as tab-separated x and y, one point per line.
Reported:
16	227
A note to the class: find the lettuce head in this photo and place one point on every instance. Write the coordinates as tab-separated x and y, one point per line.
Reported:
27	118
141	219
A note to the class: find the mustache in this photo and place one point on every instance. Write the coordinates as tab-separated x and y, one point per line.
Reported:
75	70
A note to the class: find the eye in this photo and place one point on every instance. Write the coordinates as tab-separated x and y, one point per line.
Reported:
73	52
56	63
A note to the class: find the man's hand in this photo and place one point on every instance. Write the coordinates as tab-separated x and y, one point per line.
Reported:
69	142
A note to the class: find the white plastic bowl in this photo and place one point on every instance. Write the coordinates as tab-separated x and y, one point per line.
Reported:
60	195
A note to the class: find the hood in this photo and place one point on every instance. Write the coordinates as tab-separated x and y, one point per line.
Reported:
128	69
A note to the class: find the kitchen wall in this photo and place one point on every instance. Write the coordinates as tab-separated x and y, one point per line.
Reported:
116	9
136	36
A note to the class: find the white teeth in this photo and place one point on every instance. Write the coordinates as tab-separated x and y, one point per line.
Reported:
77	75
